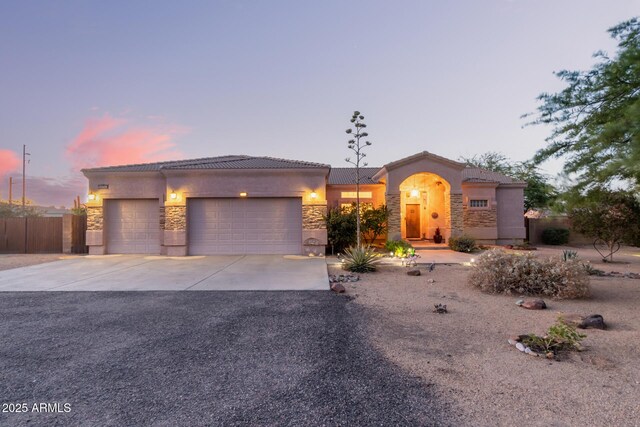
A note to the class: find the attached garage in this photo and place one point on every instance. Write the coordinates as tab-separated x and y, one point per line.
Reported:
132	226
244	226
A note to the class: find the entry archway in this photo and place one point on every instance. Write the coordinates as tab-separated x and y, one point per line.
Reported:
425	206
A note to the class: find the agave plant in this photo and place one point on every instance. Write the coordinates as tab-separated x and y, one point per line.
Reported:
360	259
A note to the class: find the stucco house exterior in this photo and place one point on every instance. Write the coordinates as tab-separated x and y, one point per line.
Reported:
261	205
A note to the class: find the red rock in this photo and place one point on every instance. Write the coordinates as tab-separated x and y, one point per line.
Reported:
534	304
338	288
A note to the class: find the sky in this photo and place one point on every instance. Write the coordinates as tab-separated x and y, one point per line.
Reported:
95	83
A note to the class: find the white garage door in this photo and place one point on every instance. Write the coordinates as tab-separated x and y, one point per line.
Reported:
132	226
245	226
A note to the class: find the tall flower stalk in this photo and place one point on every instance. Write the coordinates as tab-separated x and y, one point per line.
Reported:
357	144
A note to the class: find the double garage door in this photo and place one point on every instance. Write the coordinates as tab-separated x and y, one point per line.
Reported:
244	226
215	226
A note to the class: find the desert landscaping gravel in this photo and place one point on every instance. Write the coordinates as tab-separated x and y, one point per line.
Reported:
203	358
466	355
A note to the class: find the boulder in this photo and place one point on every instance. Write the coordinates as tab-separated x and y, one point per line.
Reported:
593	321
413	272
338	288
534	304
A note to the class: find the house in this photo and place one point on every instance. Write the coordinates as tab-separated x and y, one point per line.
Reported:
263	205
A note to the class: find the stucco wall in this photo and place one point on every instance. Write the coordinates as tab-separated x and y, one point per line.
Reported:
510	213
334	192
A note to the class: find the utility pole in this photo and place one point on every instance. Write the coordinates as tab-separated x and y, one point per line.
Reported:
24	177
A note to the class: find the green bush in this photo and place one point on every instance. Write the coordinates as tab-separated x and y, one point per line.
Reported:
341	228
555	236
498	272
360	260
559	337
462	244
400	248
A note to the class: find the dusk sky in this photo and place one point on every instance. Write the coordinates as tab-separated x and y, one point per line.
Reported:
92	83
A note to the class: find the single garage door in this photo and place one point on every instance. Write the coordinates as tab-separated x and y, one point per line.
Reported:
245	226
132	226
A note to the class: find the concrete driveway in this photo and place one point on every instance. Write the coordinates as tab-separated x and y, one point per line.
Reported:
159	273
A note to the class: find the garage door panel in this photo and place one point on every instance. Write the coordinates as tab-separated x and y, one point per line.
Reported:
245	226
132	226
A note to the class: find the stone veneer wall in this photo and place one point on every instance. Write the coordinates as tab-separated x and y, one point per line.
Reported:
174	218
95	218
313	217
394	224
478	218
457	215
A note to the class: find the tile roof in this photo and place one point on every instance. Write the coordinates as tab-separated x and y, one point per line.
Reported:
222	162
338	176
473	174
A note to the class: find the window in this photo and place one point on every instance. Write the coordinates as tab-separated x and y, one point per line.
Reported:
348	207
475	203
353	195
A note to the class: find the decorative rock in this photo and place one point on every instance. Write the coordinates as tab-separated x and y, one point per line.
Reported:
520	346
520	302
431	281
512	342
534	304
413	273
337	288
594	321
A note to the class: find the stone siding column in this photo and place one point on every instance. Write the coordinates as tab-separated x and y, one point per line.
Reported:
394	230
314	228
457	215
95	227
173	222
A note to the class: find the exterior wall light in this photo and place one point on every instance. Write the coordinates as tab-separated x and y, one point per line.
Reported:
313	195
243	194
92	196
173	196
415	193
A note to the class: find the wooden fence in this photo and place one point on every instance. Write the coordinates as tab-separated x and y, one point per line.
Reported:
36	235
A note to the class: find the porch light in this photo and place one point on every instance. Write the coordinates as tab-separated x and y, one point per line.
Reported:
92	196
173	196
313	195
243	194
415	193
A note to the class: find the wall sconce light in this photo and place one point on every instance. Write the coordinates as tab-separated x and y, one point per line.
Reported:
173	196
243	194
415	193
313	195
92	196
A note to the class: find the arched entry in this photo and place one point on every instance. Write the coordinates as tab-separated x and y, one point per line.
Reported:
425	206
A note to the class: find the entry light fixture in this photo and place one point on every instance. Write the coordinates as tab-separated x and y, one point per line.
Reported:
313	195
415	193
173	196
92	196
243	194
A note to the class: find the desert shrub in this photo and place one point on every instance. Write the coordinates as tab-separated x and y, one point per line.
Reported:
360	260
559	337
568	254
555	236
462	244
374	223
400	248
498	272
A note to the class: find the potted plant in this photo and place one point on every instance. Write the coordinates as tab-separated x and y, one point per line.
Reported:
437	238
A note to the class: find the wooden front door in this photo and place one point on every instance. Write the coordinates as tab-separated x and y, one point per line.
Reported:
413	221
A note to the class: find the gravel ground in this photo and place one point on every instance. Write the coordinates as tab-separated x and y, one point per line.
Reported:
9	261
465	352
203	358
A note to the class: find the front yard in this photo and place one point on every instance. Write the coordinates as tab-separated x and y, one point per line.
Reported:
466	355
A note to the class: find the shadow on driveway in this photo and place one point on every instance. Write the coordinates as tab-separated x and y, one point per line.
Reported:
196	358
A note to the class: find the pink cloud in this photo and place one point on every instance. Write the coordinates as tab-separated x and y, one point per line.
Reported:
9	162
108	141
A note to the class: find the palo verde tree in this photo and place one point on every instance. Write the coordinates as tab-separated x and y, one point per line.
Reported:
357	145
596	117
610	217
